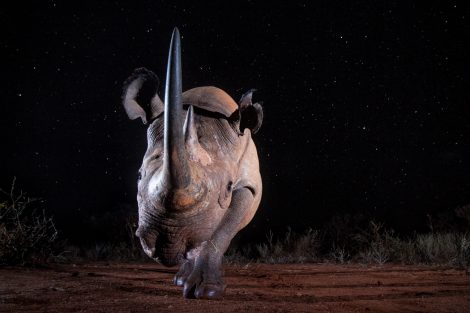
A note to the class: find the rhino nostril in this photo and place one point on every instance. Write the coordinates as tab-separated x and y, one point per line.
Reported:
139	232
149	248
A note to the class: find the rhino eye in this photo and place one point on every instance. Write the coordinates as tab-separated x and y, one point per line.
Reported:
156	157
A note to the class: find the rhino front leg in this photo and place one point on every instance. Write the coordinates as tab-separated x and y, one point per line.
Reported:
205	280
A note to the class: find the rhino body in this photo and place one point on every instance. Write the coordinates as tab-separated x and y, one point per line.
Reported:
199	183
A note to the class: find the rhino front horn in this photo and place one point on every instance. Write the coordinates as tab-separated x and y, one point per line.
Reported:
175	158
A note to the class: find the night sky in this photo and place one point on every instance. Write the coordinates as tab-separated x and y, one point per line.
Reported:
366	104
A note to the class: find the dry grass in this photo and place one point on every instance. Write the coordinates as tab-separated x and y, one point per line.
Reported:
373	245
290	248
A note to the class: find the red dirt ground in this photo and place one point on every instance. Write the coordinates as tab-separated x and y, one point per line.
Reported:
128	287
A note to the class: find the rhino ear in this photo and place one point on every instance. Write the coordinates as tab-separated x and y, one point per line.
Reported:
251	114
136	99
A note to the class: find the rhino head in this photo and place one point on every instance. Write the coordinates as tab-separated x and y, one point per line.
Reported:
199	182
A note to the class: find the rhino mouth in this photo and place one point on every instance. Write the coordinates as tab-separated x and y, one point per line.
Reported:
164	252
169	256
166	255
160	248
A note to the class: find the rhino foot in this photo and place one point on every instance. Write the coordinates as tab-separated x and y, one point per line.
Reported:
183	273
201	275
204	283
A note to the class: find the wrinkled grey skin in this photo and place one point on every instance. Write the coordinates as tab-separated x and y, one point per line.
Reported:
199	181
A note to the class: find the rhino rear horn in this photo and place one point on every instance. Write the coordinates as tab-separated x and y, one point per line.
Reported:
190	132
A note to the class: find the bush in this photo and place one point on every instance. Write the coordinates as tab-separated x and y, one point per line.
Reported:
26	233
339	255
444	248
292	248
377	244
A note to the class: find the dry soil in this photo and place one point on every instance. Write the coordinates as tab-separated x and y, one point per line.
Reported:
129	287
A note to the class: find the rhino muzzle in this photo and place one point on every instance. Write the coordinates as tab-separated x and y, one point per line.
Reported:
160	248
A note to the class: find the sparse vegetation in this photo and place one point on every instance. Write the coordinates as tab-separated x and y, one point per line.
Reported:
372	245
443	248
27	234
291	248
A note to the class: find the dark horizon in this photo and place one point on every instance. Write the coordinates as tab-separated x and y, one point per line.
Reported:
366	105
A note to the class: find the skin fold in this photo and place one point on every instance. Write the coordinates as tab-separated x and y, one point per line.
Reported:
199	182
